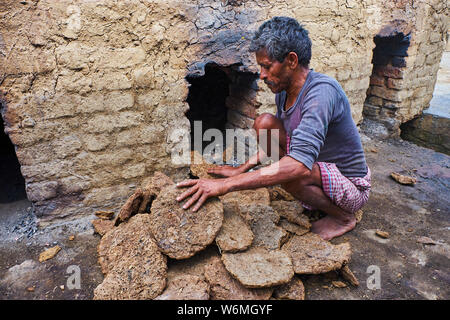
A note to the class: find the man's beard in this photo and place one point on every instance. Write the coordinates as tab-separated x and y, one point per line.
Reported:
269	83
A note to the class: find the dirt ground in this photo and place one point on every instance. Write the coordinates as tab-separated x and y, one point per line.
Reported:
408	269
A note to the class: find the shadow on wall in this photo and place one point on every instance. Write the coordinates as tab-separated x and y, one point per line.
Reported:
223	97
207	101
12	184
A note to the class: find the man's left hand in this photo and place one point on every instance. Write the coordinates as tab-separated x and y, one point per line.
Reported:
200	190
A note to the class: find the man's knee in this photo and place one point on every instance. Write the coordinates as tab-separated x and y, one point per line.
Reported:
301	185
265	121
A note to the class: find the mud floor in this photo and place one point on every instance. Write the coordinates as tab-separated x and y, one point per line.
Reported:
407	269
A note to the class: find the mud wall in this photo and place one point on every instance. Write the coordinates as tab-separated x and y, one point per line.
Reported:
400	91
92	89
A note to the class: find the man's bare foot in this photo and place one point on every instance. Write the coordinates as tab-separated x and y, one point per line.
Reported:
328	227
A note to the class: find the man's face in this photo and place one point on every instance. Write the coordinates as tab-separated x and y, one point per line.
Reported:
274	73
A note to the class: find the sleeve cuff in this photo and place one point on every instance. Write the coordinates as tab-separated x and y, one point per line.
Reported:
301	158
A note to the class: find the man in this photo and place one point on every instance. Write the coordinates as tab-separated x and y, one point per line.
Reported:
322	160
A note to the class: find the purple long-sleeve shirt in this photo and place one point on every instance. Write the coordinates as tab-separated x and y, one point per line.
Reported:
321	128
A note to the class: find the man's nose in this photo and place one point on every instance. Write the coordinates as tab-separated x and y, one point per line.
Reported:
262	75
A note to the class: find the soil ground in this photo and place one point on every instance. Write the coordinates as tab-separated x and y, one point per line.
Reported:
408	269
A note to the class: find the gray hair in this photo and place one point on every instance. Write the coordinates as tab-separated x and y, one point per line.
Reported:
281	35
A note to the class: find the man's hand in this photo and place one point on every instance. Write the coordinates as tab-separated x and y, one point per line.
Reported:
200	190
225	171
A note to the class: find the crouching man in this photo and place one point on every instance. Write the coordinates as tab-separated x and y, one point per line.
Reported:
322	160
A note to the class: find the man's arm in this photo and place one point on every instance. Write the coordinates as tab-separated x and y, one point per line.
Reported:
229	171
285	170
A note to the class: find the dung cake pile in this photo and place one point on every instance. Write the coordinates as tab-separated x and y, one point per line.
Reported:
246	245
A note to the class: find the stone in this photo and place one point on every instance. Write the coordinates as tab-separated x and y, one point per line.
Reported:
262	220
403	179
134	266
224	287
426	240
185	287
49	253
278	193
22	275
292	211
259	267
312	255
348	275
105	215
382	234
339	284
102	226
293	290
235	234
130	207
292	227
359	215
181	233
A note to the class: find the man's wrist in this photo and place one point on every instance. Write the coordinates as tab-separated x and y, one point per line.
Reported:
243	168
228	185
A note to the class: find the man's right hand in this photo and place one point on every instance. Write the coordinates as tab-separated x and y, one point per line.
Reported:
226	171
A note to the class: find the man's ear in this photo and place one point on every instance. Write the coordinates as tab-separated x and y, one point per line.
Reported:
292	60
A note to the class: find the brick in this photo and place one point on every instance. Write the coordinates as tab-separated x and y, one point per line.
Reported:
376	80
118	100
74	55
435	37
419	92
356	84
395	83
108	158
120	58
91	103
375	101
74	184
389	71
371	111
343	74
74	82
111	81
433	58
46	171
133	171
41	191
65	147
108	123
390	94
143	77
107	195
63	105
96	142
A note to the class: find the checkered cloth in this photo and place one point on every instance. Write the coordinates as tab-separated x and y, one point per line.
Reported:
350	194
